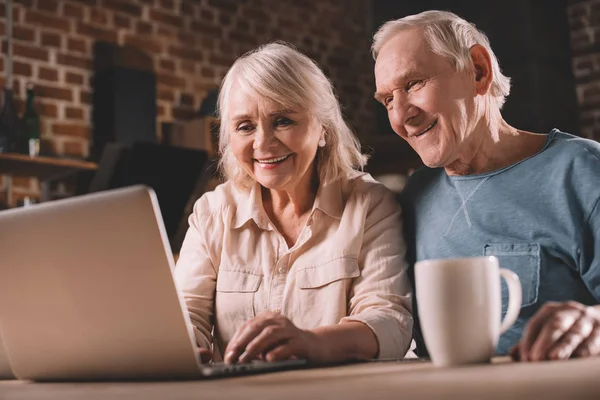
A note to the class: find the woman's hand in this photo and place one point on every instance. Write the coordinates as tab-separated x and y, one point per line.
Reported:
205	355
559	331
272	337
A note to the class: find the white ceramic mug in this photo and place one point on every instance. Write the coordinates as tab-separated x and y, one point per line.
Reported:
459	304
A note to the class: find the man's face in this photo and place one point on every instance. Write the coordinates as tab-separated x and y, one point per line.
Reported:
430	104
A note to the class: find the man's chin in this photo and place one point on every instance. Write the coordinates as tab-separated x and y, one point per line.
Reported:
432	163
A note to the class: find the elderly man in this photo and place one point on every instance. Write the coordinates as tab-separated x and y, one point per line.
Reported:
488	188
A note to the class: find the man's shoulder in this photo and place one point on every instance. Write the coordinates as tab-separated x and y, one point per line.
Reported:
570	145
422	180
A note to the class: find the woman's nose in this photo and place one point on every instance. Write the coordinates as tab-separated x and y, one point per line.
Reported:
264	138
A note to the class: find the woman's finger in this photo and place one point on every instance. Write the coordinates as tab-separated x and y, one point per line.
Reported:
242	337
282	352
270	337
246	333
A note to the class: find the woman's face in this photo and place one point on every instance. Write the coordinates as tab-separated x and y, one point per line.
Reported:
274	144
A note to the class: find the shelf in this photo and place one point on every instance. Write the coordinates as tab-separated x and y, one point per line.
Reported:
41	167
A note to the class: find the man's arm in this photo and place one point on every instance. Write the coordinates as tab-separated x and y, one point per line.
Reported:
569	329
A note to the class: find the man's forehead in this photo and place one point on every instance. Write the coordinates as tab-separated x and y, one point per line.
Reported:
405	54
406	47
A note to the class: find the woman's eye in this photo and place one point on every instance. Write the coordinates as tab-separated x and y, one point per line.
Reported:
244	128
282	121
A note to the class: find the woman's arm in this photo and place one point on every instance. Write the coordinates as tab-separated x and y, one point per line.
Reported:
381	296
274	337
350	340
195	274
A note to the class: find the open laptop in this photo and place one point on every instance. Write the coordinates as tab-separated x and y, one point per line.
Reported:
87	293
5	370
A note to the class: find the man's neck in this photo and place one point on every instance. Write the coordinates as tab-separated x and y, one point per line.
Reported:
495	147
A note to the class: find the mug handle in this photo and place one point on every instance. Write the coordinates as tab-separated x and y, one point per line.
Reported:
514	298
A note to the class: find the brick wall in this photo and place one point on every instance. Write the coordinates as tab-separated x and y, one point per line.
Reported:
584	21
192	44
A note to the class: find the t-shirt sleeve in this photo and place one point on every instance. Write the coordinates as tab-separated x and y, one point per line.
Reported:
590	252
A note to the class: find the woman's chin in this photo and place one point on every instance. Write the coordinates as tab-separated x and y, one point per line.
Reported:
274	183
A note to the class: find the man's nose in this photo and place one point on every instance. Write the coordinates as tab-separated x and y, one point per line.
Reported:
403	112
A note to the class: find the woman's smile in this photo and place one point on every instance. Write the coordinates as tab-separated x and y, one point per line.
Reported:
273	162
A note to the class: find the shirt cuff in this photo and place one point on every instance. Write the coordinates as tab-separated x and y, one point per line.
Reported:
201	340
393	333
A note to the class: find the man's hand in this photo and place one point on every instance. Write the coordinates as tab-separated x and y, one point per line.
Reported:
559	331
272	337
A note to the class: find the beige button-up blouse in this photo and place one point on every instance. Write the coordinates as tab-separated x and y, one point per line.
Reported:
347	264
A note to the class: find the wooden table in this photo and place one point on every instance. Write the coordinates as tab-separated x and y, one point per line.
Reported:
503	379
46	169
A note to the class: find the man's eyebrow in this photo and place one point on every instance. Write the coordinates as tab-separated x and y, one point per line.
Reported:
397	81
379	96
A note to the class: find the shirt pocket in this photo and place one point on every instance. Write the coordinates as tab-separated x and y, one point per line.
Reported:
325	287
524	260
318	276
235	293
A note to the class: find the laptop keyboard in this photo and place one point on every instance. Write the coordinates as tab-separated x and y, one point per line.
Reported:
222	370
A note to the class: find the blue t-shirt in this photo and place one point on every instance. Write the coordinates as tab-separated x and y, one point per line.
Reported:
540	217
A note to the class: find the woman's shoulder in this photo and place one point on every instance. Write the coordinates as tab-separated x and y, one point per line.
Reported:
363	183
225	195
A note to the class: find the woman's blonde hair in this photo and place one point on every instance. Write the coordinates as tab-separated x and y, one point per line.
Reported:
449	36
281	74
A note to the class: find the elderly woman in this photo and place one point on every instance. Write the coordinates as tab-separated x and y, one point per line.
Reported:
297	255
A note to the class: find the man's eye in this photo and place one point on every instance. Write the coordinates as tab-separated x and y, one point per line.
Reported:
387	100
414	84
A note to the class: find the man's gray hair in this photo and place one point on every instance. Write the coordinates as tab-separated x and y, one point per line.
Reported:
280	73
449	36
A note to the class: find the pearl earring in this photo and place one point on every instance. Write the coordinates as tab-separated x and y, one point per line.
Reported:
322	143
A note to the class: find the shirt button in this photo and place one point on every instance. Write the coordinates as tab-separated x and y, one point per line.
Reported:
281	270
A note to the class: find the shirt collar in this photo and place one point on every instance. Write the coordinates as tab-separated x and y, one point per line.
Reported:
329	199
250	206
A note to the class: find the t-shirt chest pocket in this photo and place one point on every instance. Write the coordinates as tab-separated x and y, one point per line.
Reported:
524	260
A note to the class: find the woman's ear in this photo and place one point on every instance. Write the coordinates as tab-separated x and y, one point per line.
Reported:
482	65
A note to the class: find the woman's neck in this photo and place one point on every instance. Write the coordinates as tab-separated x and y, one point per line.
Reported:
289	210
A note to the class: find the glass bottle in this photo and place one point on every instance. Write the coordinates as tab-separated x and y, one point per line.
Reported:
30	126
